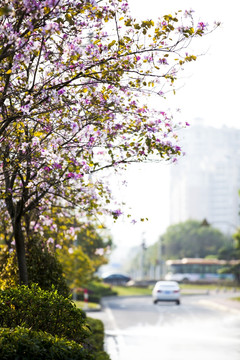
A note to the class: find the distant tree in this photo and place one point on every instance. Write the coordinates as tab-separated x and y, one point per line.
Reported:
191	239
234	252
187	239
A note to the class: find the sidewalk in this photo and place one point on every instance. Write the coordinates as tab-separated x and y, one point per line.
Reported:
223	302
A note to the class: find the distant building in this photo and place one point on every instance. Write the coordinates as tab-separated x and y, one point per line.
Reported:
206	181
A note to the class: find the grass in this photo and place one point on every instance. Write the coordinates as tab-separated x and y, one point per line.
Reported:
131	290
207	286
236	299
134	291
82	305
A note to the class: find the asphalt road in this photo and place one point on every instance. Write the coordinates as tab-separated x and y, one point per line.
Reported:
138	330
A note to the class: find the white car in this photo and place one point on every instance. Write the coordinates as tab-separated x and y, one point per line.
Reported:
166	291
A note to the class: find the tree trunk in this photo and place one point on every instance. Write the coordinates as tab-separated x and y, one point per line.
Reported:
21	254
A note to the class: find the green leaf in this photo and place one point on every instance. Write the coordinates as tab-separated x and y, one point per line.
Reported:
5	10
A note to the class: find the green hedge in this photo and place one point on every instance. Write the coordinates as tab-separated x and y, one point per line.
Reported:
42	310
58	329
43	267
96	290
95	341
25	344
91	297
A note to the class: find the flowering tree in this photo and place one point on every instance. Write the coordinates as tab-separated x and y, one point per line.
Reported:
72	78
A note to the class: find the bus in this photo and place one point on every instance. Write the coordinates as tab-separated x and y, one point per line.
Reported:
199	270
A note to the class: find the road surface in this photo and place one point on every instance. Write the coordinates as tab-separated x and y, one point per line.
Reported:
138	330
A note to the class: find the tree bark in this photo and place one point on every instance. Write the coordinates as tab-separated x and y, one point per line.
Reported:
21	253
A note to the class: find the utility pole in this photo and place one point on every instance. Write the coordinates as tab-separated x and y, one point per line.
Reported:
160	257
143	249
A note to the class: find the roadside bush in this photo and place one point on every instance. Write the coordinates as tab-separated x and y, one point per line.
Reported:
25	344
95	342
96	290
42	310
93	298
43	267
8	268
101	289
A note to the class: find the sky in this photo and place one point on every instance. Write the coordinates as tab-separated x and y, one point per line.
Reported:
208	89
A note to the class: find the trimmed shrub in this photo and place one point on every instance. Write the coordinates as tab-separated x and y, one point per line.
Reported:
43	267
42	310
96	290
93	298
95	342
25	344
100	289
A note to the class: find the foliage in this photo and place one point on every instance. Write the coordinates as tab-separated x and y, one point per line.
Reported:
22	343
77	266
82	257
100	288
8	268
95	245
186	239
72	80
43	267
235	252
96	290
190	239
96	340
42	310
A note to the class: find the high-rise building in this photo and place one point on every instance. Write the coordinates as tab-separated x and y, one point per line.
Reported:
205	183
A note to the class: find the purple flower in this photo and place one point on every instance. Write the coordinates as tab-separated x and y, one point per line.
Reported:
201	25
116	213
57	166
61	91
